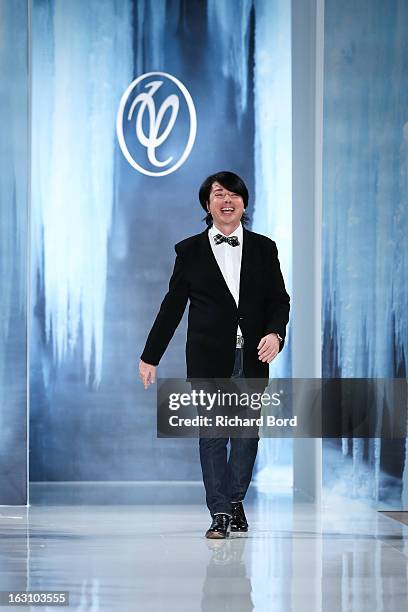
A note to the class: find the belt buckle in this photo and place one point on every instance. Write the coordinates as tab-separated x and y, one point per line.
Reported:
240	341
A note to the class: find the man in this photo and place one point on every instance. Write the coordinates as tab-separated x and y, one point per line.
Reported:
238	312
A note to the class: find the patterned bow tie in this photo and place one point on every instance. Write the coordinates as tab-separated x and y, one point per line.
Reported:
232	240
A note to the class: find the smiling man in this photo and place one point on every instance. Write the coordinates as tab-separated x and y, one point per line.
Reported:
238	313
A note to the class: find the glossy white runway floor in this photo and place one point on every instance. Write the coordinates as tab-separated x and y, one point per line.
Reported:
153	558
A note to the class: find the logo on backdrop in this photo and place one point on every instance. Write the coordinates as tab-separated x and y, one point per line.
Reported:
156	123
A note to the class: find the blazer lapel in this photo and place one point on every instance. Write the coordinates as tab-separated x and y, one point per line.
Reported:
245	263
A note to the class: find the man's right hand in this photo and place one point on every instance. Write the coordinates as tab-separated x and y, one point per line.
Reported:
147	373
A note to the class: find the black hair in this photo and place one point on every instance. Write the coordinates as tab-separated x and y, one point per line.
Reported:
230	181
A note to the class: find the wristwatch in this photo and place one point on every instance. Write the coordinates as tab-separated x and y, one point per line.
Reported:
278	336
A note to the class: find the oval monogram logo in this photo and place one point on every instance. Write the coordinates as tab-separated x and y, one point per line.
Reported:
156	123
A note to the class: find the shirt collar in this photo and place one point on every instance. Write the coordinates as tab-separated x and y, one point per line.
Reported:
238	232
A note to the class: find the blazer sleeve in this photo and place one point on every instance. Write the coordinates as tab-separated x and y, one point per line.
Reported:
169	315
278	300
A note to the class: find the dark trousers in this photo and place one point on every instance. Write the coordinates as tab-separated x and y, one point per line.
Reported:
226	478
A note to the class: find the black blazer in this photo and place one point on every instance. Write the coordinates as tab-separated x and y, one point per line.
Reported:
263	307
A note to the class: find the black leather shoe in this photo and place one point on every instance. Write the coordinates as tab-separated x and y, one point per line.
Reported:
238	521
219	526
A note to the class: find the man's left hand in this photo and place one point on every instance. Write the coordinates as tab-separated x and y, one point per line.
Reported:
268	347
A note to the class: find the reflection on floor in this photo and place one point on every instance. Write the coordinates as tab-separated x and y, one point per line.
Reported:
153	558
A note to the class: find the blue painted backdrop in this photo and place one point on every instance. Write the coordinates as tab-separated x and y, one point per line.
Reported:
365	226
14	172
103	233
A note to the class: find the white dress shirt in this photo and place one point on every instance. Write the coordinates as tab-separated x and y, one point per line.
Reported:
229	260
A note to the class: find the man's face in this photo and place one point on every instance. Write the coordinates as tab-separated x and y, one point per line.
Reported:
226	207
